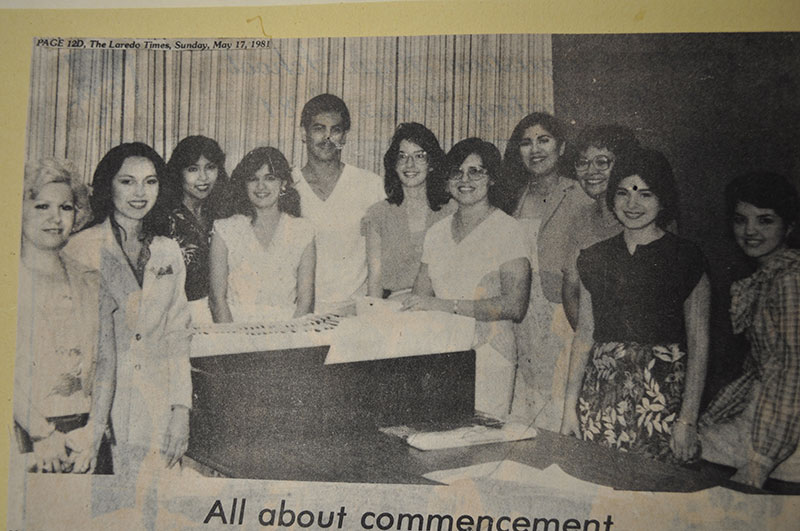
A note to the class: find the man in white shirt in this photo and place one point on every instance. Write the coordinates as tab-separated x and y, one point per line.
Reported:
334	196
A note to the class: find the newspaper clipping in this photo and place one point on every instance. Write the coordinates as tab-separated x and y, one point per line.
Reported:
446	282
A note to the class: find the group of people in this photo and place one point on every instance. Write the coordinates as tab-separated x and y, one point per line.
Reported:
592	313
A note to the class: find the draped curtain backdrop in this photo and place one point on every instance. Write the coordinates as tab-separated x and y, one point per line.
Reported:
84	102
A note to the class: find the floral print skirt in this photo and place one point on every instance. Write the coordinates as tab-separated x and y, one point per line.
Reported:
631	396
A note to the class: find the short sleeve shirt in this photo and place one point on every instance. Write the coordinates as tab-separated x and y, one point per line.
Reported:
639	297
341	246
456	269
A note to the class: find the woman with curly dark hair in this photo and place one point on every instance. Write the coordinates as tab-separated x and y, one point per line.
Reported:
416	199
263	257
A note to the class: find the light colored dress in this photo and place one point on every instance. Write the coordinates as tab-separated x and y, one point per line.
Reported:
470	270
544	340
262	282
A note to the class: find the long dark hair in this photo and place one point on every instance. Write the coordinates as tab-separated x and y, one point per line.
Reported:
102	198
435	187
186	153
516	174
239	203
490	159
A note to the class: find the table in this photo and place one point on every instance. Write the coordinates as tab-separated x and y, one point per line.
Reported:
284	415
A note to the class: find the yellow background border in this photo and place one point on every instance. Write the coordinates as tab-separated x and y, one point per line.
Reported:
19	27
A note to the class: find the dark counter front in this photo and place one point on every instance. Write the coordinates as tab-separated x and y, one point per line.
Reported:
287	415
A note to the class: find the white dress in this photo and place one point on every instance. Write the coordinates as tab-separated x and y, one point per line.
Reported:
470	270
262	282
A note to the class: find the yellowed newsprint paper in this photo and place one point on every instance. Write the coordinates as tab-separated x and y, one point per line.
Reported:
126	407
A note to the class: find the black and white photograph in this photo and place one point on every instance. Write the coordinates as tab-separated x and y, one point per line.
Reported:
545	264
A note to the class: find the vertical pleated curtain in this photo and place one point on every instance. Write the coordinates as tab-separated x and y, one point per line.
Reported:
83	102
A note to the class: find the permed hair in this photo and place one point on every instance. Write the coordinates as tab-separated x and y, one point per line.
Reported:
239	202
40	172
618	139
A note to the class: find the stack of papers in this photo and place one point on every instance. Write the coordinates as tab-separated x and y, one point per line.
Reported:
463	436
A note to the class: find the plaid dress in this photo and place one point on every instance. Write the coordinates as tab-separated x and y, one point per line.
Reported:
766	307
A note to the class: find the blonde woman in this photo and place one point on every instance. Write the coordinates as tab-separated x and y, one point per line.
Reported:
64	377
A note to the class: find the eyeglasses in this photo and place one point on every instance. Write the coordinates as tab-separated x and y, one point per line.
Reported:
417	156
472	173
600	162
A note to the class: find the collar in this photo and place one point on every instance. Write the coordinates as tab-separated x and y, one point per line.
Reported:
562	187
745	293
118	231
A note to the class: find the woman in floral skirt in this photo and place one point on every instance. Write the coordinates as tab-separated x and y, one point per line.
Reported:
639	354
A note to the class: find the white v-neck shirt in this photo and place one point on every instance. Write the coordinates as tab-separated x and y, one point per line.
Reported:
341	245
457	269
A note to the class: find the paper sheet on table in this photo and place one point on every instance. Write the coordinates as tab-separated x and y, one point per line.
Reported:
551	477
384	333
470	436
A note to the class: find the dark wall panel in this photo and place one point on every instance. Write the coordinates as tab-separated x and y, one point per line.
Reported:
717	105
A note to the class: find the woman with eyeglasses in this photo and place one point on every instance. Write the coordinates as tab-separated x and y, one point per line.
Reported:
474	263
263	257
544	201
639	355
416	199
753	424
596	151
